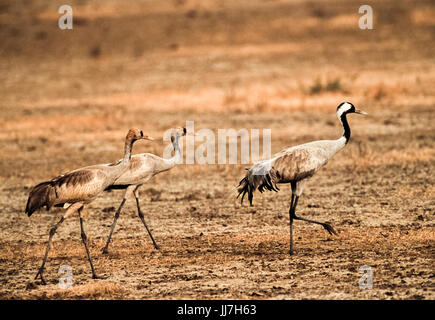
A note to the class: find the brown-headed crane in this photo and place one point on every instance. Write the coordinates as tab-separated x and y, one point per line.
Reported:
77	189
142	168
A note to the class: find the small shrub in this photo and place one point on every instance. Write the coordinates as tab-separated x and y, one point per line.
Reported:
316	87
333	85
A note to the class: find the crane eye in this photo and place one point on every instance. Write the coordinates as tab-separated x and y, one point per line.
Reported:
184	130
141	133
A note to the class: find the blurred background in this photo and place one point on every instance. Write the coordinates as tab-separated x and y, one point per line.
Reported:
155	64
68	97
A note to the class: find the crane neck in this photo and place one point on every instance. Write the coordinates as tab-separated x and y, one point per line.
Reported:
127	151
346	128
177	152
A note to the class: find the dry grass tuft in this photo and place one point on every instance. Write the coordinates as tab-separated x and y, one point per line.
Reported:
373	158
329	85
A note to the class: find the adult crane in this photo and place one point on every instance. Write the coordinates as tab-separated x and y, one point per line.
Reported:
295	165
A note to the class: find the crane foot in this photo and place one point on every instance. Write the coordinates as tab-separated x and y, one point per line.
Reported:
40	275
94	276
329	228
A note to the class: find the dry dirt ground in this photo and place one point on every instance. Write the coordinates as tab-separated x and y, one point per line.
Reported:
68	98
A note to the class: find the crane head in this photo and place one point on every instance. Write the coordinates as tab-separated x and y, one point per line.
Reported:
347	107
135	134
181	131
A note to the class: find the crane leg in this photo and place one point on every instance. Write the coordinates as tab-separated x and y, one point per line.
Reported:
106	247
84	239
141	216
71	209
291	223
51	234
325	225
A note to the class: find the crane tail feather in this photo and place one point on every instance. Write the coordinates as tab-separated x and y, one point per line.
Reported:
39	197
262	180
244	188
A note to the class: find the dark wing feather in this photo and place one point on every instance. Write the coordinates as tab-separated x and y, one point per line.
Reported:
117	187
257	177
38	197
73	178
45	193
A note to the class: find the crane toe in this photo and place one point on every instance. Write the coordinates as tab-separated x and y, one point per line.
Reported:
329	228
39	274
99	277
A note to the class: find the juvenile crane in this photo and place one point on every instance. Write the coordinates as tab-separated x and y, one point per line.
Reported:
142	168
78	188
295	165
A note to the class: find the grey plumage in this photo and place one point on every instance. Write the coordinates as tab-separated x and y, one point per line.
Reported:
78	188
142	168
295	165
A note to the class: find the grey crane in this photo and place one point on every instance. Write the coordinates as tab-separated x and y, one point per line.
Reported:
78	188
295	165
142	168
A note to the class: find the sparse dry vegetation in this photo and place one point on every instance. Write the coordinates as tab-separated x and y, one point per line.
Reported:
330	85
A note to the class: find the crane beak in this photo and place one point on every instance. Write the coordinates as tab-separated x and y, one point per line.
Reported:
148	138
189	133
361	112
